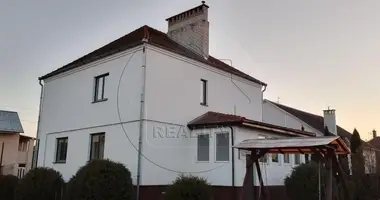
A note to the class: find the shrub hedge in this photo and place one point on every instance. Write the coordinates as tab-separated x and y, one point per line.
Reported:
100	180
40	184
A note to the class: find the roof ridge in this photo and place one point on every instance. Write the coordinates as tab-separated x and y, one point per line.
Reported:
154	37
225	114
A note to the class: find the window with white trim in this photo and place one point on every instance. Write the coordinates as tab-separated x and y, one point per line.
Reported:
264	158
203	151
286	158
222	149
297	159
275	158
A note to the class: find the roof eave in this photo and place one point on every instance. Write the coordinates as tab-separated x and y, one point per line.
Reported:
68	67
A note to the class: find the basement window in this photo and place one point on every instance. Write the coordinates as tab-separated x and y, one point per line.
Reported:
203	92
99	88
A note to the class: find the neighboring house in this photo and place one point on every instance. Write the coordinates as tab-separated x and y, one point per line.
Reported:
162	95
375	142
283	115
16	150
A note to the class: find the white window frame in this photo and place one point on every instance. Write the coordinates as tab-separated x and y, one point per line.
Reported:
278	159
266	155
197	152
283	159
229	148
300	161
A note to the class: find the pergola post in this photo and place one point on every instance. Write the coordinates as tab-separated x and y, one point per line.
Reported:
263	192
329	175
248	192
325	147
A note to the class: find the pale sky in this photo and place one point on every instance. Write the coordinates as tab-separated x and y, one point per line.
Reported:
312	53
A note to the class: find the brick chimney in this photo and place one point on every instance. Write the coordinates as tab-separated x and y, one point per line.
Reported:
374	133
330	120
191	29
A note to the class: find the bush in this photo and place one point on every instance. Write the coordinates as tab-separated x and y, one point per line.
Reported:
8	184
40	184
189	188
302	183
99	180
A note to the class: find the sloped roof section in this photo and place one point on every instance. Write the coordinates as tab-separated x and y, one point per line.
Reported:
10	122
316	121
211	119
375	142
295	144
156	38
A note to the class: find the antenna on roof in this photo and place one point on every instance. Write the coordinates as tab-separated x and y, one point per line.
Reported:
278	99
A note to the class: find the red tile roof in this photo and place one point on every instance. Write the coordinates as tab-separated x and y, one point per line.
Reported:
316	122
212	119
156	38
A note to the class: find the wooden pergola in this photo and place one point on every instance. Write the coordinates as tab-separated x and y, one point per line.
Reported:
326	147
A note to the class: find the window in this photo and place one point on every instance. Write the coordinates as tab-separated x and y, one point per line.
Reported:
204	92
263	159
203	147
222	147
286	158
274	157
297	159
23	146
100	82
61	151
307	158
97	146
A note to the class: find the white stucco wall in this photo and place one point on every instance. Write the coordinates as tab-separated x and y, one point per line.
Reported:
174	151
68	111
276	116
172	100
173	90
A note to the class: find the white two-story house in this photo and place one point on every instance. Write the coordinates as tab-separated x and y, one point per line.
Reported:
163	95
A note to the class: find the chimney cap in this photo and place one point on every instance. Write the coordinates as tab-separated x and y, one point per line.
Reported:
195	8
329	110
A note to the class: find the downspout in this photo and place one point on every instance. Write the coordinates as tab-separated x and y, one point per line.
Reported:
233	163
142	114
35	153
1	158
262	105
265	88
